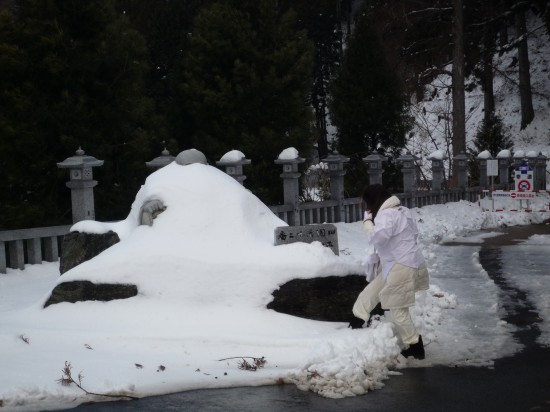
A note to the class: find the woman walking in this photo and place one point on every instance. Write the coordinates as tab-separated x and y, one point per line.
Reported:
397	268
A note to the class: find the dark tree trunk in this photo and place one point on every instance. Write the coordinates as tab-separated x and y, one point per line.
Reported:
322	140
503	27
527	112
488	92
459	111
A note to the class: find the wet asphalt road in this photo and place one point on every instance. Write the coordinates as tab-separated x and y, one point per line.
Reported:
515	384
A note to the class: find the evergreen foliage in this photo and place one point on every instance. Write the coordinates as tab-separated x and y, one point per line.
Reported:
368	104
166	28
246	75
73	76
491	136
322	19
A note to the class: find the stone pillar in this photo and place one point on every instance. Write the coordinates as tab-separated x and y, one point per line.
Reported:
159	162
374	164
461	162
408	168
438	169
532	160
233	162
291	185
81	184
336	171
504	162
540	172
482	162
519	158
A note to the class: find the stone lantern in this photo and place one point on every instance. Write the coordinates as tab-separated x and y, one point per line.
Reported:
159	162
540	172
438	168
504	162
482	159
233	163
374	163
408	168
81	184
336	163
461	167
290	160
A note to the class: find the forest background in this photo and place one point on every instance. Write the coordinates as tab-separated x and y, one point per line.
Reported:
124	79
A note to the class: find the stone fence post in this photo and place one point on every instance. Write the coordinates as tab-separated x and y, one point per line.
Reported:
336	172
438	169
504	162
375	170
233	163
461	162
482	162
81	184
519	158
408	168
540	172
163	160
291	184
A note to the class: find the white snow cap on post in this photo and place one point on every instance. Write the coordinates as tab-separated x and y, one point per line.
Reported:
484	155
519	153
437	155
232	156
288	154
504	154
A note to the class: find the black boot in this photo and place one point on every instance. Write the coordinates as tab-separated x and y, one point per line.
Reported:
415	350
356	323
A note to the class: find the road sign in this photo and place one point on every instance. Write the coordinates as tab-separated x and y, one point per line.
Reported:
523	178
492	167
524	185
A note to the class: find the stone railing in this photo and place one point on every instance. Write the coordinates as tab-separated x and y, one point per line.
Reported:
31	246
436	197
327	211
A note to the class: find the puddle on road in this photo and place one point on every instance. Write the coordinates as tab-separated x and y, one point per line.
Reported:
520	310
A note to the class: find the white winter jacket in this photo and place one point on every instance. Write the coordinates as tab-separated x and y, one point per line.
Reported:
403	268
394	236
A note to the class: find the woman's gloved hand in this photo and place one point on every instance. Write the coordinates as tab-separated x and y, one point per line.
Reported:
368	224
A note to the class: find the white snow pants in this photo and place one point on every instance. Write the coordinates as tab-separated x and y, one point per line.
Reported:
401	317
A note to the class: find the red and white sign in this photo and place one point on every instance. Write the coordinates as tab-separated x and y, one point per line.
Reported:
523	178
522	195
524	185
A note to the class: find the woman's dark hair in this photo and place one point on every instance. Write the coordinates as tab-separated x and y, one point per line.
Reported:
373	197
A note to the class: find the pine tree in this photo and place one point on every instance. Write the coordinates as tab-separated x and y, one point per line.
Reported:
246	77
491	136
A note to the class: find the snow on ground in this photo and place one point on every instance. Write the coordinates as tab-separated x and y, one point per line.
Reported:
205	271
